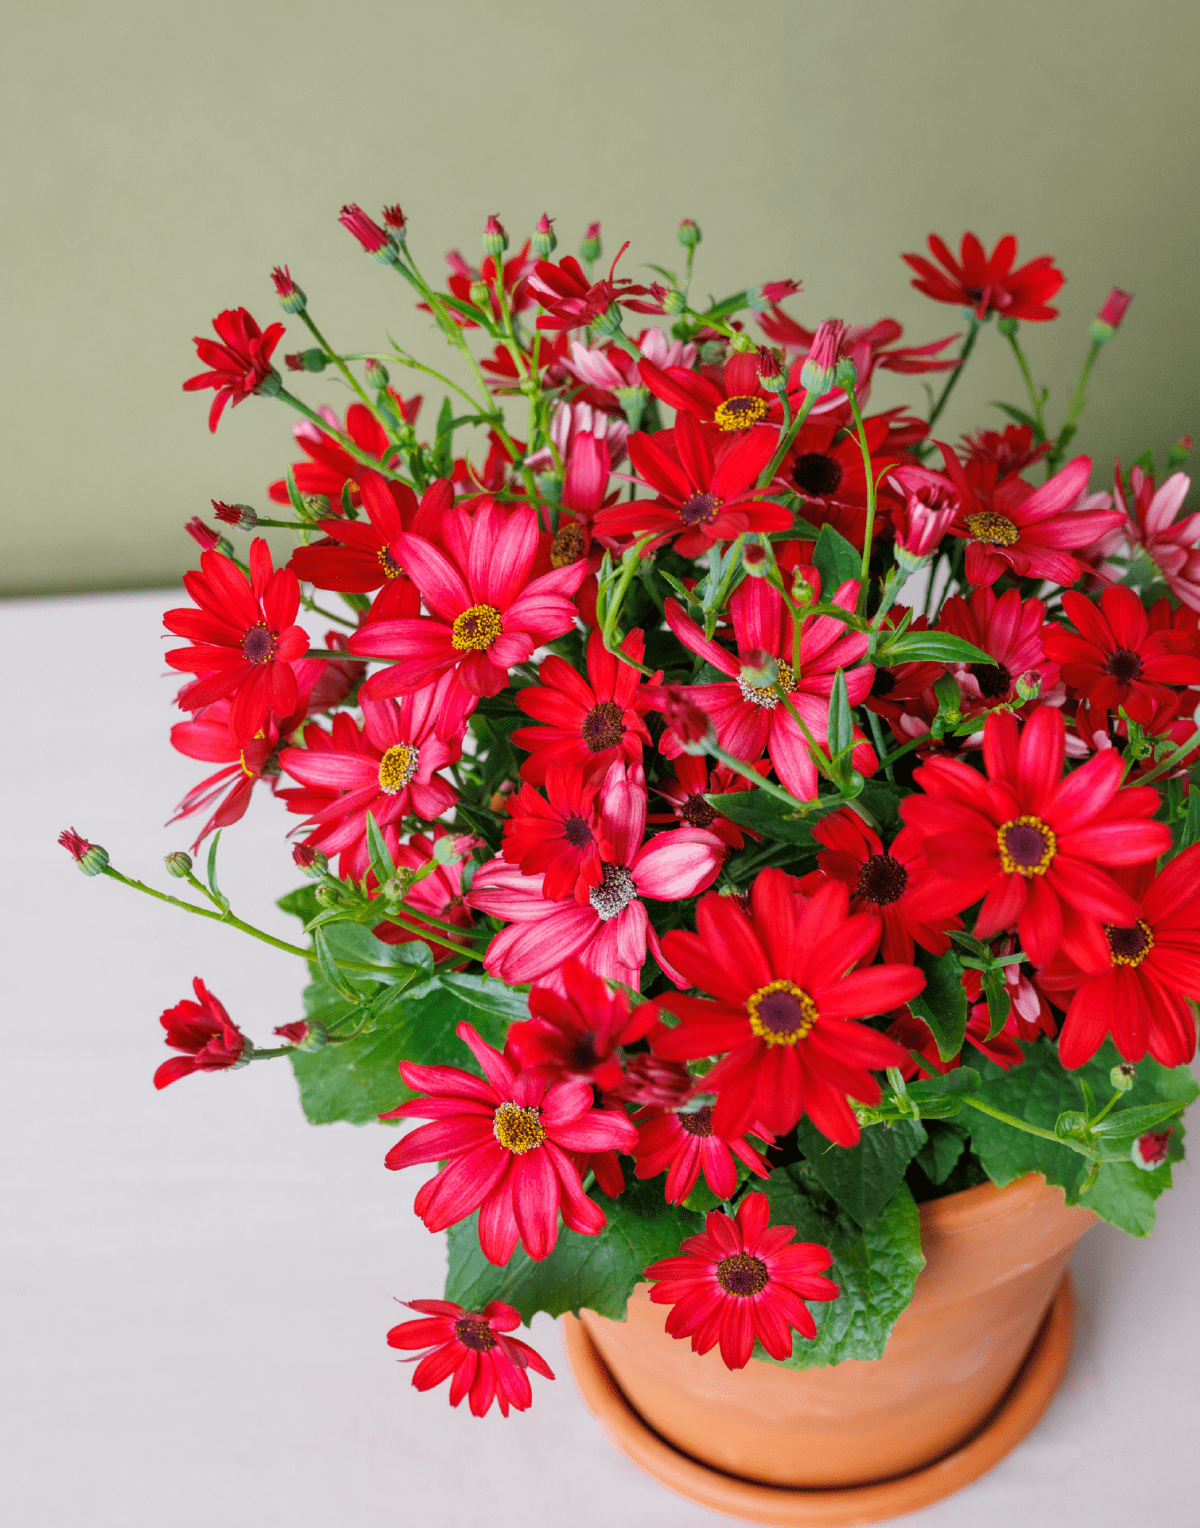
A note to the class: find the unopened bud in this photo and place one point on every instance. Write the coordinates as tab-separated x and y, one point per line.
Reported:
589	248
1071	1122
373	239
1029	686
178	863
771	374
291	298
495	240
819	372
328	896
377	375
845	374
479	294
688	233
742	344
756	560
633	401
90	858
673	300
444	849
394	219
543	241
241	516
1123	1076
203	535
311	861
609	322
1007	327
307	360
1108	320
304	1035
1150	1150
803	592
549	486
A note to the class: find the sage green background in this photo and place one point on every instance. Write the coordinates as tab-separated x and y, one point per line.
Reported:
160	159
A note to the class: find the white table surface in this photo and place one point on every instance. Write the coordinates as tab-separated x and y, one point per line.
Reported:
197	1283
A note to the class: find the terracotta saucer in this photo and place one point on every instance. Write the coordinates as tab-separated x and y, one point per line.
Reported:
1018	1413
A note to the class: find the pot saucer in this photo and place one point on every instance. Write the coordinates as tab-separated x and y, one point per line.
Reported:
1018	1413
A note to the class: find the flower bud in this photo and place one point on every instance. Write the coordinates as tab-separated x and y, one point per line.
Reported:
1123	1076
1108	320
608	322
307	360
1150	1150
803	592
845	374
771	374
311	861
291	298
393	218
241	516
1028	686
270	385
178	863
1070	1123
495	240
589	249
742	344
377	375
712	353
543	241
673	301
304	1035
479	293
203	535
688	233
691	726
817	375
328	896
1007	327
761	298
373	239
756	560
633	401
90	858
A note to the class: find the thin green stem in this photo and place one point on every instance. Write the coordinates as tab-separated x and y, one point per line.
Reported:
1075	412
1172	759
967	346
282	525
869	532
343	440
786	439
739	766
1118	1094
338	362
427	933
310	604
1021	1124
1034	398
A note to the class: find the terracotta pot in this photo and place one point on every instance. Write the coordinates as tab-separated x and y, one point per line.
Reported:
994	1261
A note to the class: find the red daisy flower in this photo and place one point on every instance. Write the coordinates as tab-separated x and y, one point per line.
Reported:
474	1347
882	882
1012	632
910	360
824	467
701	499
987	283
202	1029
1112	659
559	835
1011	449
330	467
240	363
688	788
683	1143
740	1280
591	723
486	615
246	639
1136	986
1036	847
505	1142
439	892
571	301
577	1033
729	399
785	986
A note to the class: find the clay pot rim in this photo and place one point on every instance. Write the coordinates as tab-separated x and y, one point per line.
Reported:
986	1201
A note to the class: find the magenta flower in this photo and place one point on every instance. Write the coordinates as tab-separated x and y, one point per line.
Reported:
1151	523
474	1347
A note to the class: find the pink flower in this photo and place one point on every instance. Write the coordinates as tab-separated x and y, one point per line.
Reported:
817	373
1173	544
487	1365
1116	305
930	505
608	370
689	726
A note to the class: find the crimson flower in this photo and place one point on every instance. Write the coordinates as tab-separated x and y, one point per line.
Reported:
737	401
577	1032
742	1279
210	1038
701	499
785	987
866	344
1011	631
558	835
916	1036
505	1142
930	506
824	467
1116	305
474	1347
239	365
987	283
245	639
687	791
1030	1014
330	466
1012	449
590	723
683	1143
572	302
1150	1150
367	231
1036	847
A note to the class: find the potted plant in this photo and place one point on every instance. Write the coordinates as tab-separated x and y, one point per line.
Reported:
749	845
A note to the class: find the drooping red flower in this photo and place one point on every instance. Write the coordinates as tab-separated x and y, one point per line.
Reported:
239	360
682	1143
577	1032
785	986
1036	847
505	1142
472	1346
572	301
910	360
686	791
742	1279
559	835
987	283
364	228
212	1042
245	639
330	466
1012	632
929	508
589	723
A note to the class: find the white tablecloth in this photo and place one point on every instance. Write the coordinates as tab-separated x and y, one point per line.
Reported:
198	1283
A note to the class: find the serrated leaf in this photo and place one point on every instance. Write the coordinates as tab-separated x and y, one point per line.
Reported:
943	1002
862	1178
835	559
931	647
939	1156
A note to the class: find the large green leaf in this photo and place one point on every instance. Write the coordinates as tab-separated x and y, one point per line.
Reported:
766	814
931	647
875	1265
835	559
583	1272
943	1001
862	1178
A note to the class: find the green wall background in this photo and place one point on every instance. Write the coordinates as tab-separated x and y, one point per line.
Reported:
160	159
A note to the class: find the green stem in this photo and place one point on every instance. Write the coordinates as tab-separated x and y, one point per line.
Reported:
342	439
283	525
1118	1094
1075	412
785	441
339	363
1021	1124
967	346
740	767
1172	759
1036	402
470	950
869	532
311	604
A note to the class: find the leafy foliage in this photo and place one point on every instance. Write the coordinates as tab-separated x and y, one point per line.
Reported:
943	1003
861	1179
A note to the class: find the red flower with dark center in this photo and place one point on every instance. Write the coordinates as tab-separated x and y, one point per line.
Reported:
239	364
1036	847
682	1143
987	283
590	723
245	636
687	790
1112	659
210	1038
559	835
487	1365
330	466
1012	449
505	1142
577	1033
785	988
895	690
824	468
735	402
1012	632
740	1280
701	499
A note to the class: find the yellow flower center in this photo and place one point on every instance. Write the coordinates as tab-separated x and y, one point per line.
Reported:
391	568
567	546
740	413
518	1130
995	530
476	629
769	695
397	767
781	1013
1129	946
1027	845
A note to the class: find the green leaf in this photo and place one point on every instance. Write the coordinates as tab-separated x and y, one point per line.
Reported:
583	1272
999	1004
875	1265
766	815
1191	823
931	647
939	1156
1019	415
941	1097
836	561
329	972
1128	1124
862	1178
381	856
218	895
395	962
301	903
841	718
443	442
943	1002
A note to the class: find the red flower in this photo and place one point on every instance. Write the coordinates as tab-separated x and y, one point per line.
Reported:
245	639
739	1280
1035	846
682	1142
486	615
204	1030
240	363
987	283
687	789
689	726
572	302
915	1035
1031	1015
472	1346
368	232
736	402
591	723
330	467
505	1142
785	986
1152	523
464	276
1135	986
824	467
865	343
577	1033
930	506
558	836
1113	659
701	499
1116	305
1012	450
1011	631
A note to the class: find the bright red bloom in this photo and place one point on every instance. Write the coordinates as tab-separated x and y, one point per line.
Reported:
558	836
683	1143
505	1142
735	402
573	302
577	1033
785	986
590	723
686	792
872	339
1036	847
701	499
882	882
987	283
486	614
210	1038
749	718
930	506
487	1365
1136	985
740	1280
1011	631
1150	1150
239	364
1012	449
915	1035
364	228
1113	659
330	466
245	637
824	467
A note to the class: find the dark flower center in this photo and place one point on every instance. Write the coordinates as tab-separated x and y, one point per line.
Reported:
1123	666
696	811
258	645
614	893
476	629
697	1121
781	1013
742	1275
518	1130
817	474
391	568
993	679
993	529
584	1055
883	683
475	1333
576	831
1027	845
740	412
882	880
603	726
567	546
1129	946
700	509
